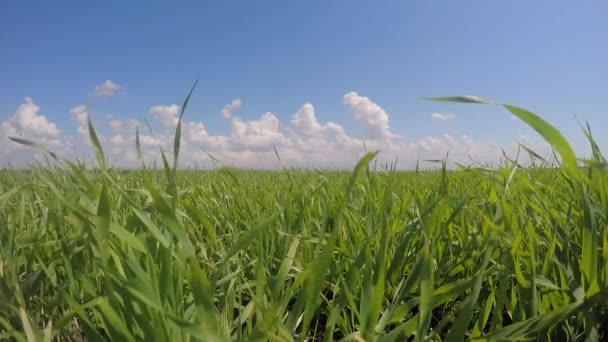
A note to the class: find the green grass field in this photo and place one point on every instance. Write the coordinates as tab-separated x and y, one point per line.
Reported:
368	255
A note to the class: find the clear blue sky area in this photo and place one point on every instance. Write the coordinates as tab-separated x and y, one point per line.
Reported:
547	56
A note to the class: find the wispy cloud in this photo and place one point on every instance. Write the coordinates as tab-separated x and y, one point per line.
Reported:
230	108
443	116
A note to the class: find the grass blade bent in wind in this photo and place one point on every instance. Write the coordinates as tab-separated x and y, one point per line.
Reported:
551	135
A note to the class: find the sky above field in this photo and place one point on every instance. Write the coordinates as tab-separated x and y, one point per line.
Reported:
322	81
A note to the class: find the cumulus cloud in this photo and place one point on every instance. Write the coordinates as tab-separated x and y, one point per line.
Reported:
107	89
80	115
304	140
230	108
256	135
305	122
307	132
442	116
123	126
167	115
369	114
195	136
27	123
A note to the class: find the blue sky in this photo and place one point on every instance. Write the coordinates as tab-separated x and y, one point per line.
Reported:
275	56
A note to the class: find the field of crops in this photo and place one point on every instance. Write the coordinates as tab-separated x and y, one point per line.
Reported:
366	255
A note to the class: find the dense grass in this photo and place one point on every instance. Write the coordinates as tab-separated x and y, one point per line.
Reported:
368	255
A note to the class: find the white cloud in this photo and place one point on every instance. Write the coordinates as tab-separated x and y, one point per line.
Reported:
370	114
256	135
115	124
167	115
305	122
118	140
81	116
442	116
308	134
123	126
107	89
230	108
27	122
195	136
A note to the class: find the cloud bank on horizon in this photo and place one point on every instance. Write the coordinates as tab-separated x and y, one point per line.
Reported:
304	141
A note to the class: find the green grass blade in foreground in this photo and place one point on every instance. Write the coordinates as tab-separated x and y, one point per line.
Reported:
595	149
5	196
247	238
205	306
589	245
138	148
524	330
117	323
546	130
551	135
362	164
533	153
28	143
99	155
103	219
176	143
459	328
27	326
427	286
34	145
152	228
178	129
404	287
318	268
462	99
377	287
